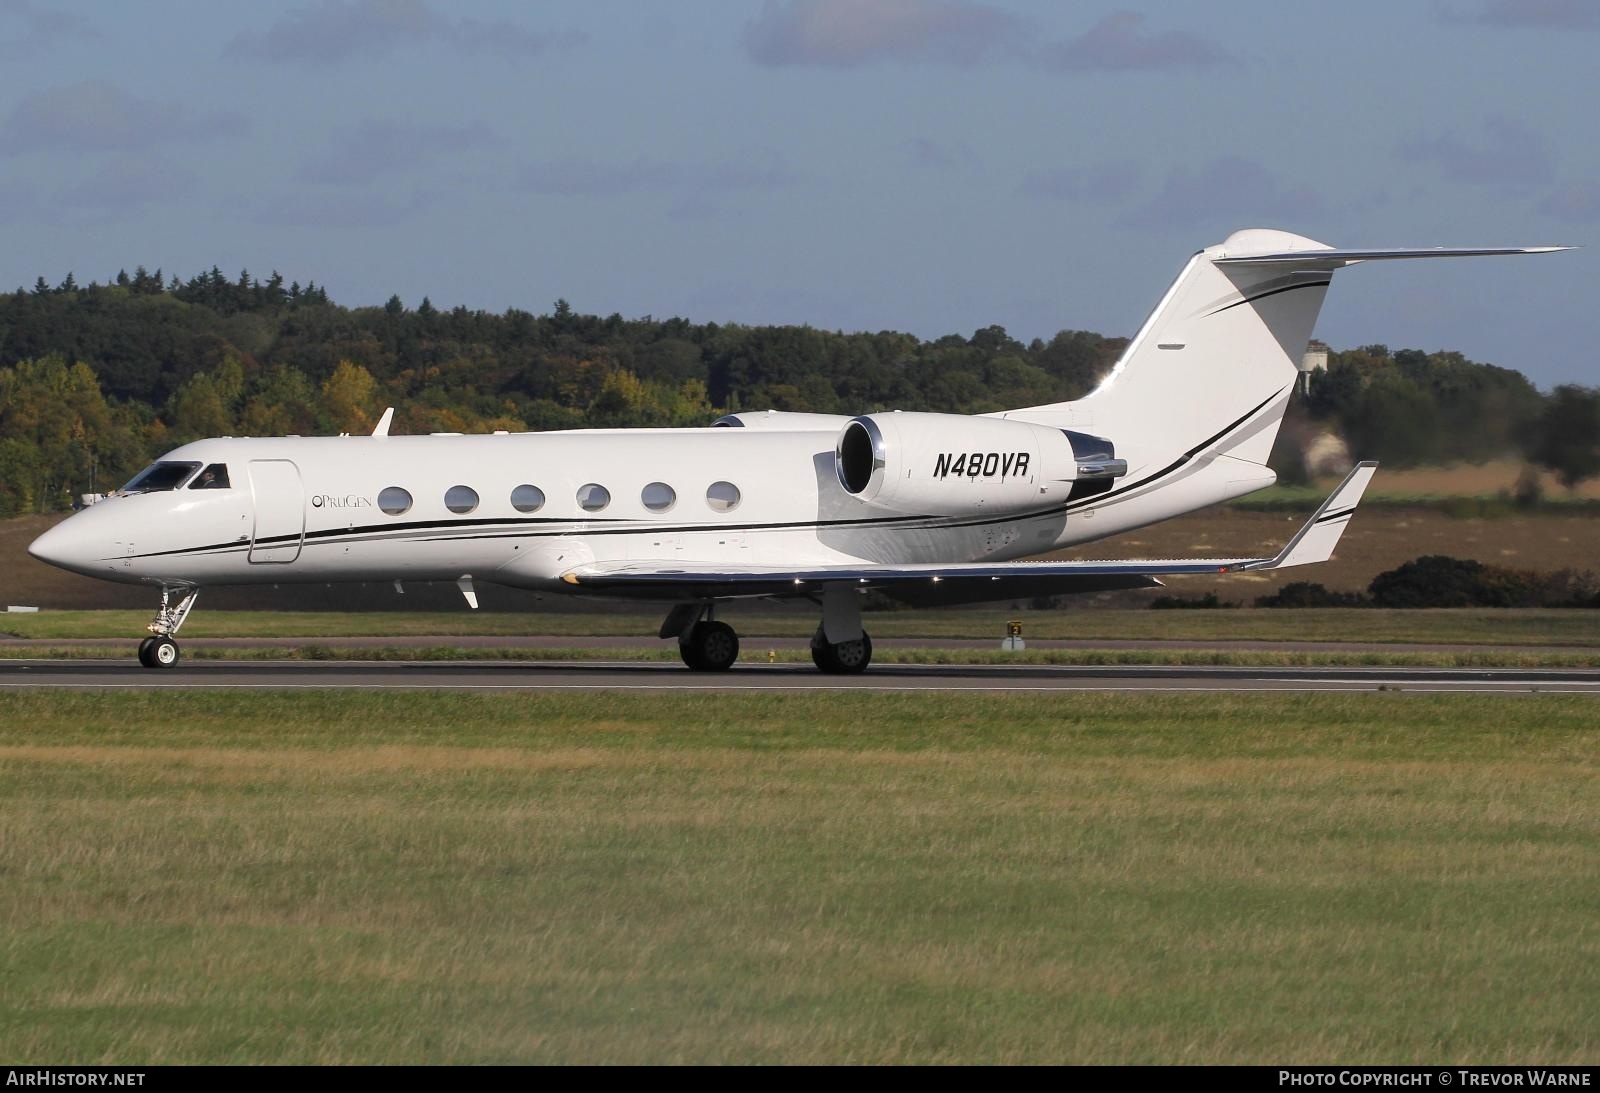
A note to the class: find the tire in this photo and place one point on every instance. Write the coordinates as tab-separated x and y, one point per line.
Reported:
822	654
686	650
144	652
710	647
845	658
163	653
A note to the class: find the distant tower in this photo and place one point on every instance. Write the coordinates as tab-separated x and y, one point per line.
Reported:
1314	360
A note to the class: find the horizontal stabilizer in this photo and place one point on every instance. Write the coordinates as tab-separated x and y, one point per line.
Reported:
965	581
1333	258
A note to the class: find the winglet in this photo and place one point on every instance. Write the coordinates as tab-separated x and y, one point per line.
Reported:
1315	541
382	428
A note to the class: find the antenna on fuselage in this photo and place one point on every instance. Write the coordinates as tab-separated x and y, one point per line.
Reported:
382	428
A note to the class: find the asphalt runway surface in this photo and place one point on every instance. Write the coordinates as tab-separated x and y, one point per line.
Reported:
126	674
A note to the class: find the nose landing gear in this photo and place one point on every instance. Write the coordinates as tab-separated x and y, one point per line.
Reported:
160	650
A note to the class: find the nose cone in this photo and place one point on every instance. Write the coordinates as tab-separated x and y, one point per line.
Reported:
69	545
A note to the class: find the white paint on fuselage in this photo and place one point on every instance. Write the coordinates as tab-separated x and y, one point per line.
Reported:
792	511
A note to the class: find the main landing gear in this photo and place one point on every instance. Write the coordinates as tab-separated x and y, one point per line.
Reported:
160	650
707	645
841	658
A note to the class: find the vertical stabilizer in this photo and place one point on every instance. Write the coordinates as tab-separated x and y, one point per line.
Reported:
1214	365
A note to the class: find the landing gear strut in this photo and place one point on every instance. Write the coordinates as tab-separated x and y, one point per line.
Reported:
160	650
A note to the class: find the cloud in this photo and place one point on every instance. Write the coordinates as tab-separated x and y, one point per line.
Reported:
38	29
1120	43
130	182
1576	203
95	116
852	33
340	209
588	178
922	152
1533	14
372	149
331	31
1100	183
1510	153
1229	190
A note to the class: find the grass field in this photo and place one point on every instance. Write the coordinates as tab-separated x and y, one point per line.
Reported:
322	877
1455	626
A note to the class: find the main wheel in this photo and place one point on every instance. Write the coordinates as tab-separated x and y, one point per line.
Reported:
144	652
163	653
709	647
841	658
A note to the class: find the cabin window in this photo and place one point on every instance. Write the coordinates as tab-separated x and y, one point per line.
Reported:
658	497
460	499
214	477
161	476
593	497
394	500
527	498
722	496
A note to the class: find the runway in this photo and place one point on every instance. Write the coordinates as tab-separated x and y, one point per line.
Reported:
625	676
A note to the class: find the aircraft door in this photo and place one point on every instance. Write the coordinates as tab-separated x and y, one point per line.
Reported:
279	499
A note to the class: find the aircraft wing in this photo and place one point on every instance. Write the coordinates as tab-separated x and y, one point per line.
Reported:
971	581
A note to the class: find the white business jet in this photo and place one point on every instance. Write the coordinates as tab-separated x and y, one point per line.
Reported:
926	508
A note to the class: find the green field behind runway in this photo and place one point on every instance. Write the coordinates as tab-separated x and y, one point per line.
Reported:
426	877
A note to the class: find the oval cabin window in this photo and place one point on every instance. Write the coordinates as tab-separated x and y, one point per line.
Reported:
658	497
527	498
460	499
593	497
722	496
394	500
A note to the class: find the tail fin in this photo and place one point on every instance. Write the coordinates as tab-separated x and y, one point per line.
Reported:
1213	367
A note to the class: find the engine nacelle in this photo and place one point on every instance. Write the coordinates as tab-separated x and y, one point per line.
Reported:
950	465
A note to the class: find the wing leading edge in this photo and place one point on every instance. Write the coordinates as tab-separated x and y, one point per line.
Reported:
955	582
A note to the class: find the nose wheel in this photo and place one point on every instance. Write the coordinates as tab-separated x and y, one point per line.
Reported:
160	650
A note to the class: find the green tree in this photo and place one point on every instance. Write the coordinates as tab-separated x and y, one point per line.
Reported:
1566	436
348	398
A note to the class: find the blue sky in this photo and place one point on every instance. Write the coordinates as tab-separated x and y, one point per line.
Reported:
924	165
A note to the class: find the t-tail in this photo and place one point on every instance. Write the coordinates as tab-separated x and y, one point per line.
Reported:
1201	390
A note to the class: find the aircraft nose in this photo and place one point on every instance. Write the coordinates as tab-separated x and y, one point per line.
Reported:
66	546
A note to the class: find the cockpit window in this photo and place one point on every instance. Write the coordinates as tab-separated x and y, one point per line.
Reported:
214	477
161	476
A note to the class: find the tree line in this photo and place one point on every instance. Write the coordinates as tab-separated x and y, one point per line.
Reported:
97	379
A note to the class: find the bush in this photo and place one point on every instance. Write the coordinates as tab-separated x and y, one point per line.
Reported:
1437	580
1310	594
